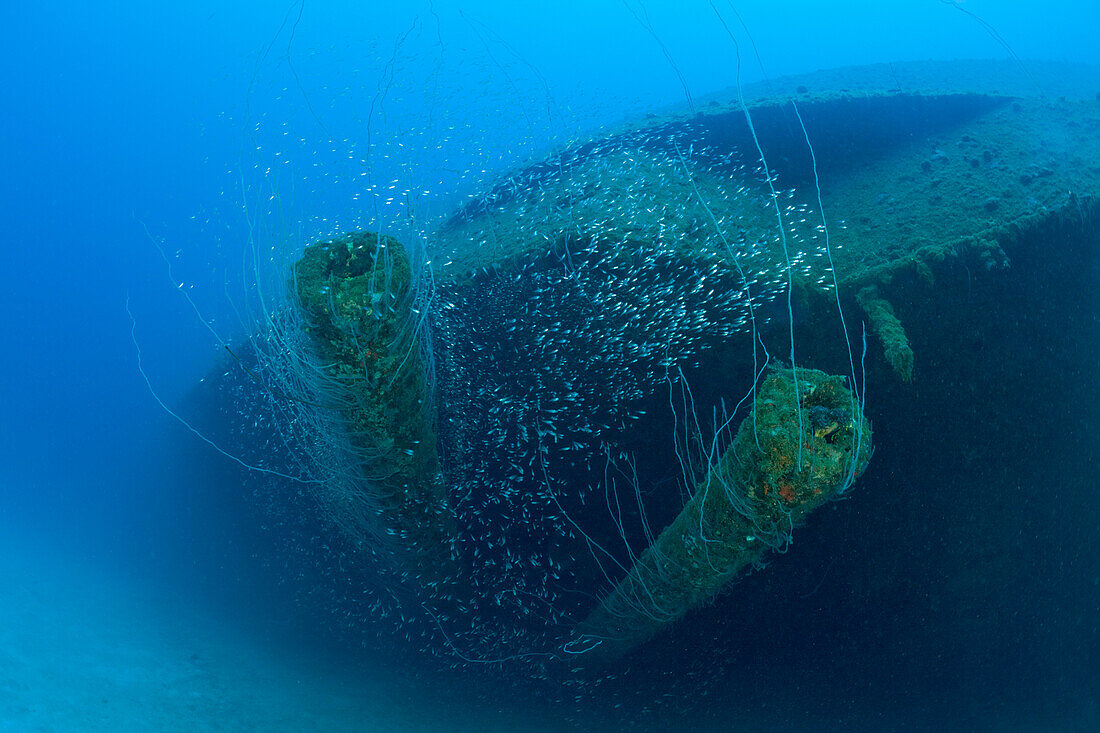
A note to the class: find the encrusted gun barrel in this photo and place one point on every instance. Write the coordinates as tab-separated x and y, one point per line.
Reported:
357	295
782	464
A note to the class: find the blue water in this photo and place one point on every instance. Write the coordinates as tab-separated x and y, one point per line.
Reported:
142	589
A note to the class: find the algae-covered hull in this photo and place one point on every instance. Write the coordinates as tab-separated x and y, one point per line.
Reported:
546	412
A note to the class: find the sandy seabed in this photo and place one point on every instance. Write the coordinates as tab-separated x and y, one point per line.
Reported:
82	649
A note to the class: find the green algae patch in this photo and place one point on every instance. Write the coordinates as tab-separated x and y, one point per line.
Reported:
798	449
356	294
